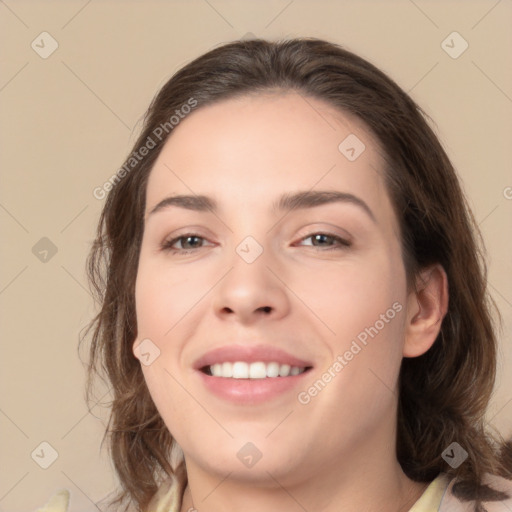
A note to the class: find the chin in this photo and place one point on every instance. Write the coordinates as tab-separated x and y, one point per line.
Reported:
258	463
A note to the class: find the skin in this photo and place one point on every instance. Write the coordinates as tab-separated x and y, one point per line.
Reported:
307	297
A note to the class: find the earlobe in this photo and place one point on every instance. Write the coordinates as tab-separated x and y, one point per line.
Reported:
426	306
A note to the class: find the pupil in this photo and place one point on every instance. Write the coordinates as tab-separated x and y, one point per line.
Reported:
321	238
187	240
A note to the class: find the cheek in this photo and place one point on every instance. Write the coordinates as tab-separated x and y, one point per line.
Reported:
351	296
165	304
179	412
364	305
162	302
163	298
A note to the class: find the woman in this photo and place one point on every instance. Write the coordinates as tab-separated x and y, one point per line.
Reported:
294	309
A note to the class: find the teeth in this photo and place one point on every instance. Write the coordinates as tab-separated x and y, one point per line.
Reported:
240	370
227	369
258	370
284	370
272	370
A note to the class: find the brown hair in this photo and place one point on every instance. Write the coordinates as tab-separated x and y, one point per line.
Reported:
443	393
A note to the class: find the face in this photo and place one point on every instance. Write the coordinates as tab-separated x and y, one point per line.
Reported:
271	300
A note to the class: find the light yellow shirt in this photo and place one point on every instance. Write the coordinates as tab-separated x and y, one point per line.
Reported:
436	498
58	503
430	500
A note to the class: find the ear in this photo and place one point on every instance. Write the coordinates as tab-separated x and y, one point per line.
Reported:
426	307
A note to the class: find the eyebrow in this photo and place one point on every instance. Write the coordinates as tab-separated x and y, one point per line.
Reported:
286	203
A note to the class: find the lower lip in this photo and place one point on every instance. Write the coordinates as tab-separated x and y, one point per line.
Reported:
251	391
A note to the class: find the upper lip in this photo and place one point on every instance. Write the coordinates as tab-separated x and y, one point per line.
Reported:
249	354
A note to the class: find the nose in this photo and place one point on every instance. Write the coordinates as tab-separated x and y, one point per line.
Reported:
251	293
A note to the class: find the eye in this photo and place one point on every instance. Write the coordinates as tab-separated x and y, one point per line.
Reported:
191	241
327	241
185	243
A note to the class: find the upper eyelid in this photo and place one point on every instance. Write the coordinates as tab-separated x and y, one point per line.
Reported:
196	231
344	235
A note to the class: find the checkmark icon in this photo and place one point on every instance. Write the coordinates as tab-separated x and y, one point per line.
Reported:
44	45
147	352
454	455
44	455
454	45
44	250
249	249
249	455
351	152
351	147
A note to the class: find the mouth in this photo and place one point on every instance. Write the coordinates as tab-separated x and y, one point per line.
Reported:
245	374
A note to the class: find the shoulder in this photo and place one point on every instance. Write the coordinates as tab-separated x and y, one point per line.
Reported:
451	503
58	502
169	496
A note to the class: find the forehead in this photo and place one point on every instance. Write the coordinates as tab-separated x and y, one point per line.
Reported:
252	148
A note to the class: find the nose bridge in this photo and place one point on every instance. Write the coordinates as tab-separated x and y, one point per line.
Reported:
249	272
251	241
250	250
250	287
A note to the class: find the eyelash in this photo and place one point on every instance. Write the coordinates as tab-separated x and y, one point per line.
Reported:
167	244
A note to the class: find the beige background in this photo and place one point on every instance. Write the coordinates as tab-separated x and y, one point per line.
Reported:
69	120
